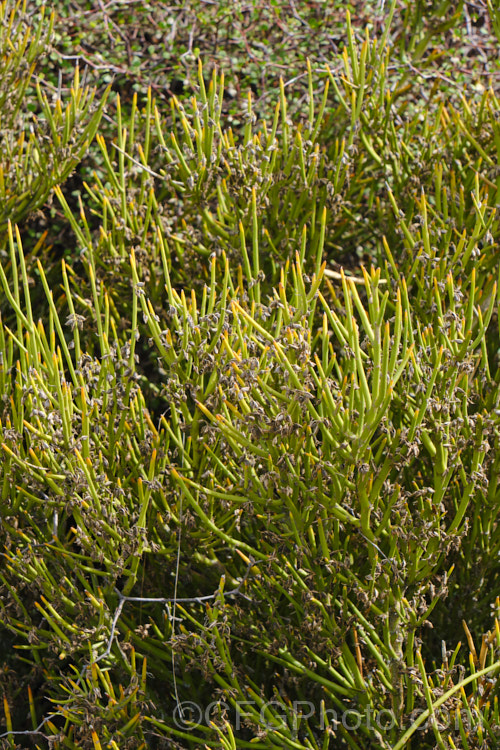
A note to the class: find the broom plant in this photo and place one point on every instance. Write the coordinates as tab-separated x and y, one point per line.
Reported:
249	470
43	139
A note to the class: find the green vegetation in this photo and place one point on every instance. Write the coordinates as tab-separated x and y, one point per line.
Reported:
249	375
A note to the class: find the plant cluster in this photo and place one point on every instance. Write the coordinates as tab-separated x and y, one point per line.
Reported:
249	423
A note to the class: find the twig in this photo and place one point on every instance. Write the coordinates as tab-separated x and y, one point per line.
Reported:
355	279
139	164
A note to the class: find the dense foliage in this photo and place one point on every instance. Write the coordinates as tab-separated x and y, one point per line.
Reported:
249	378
